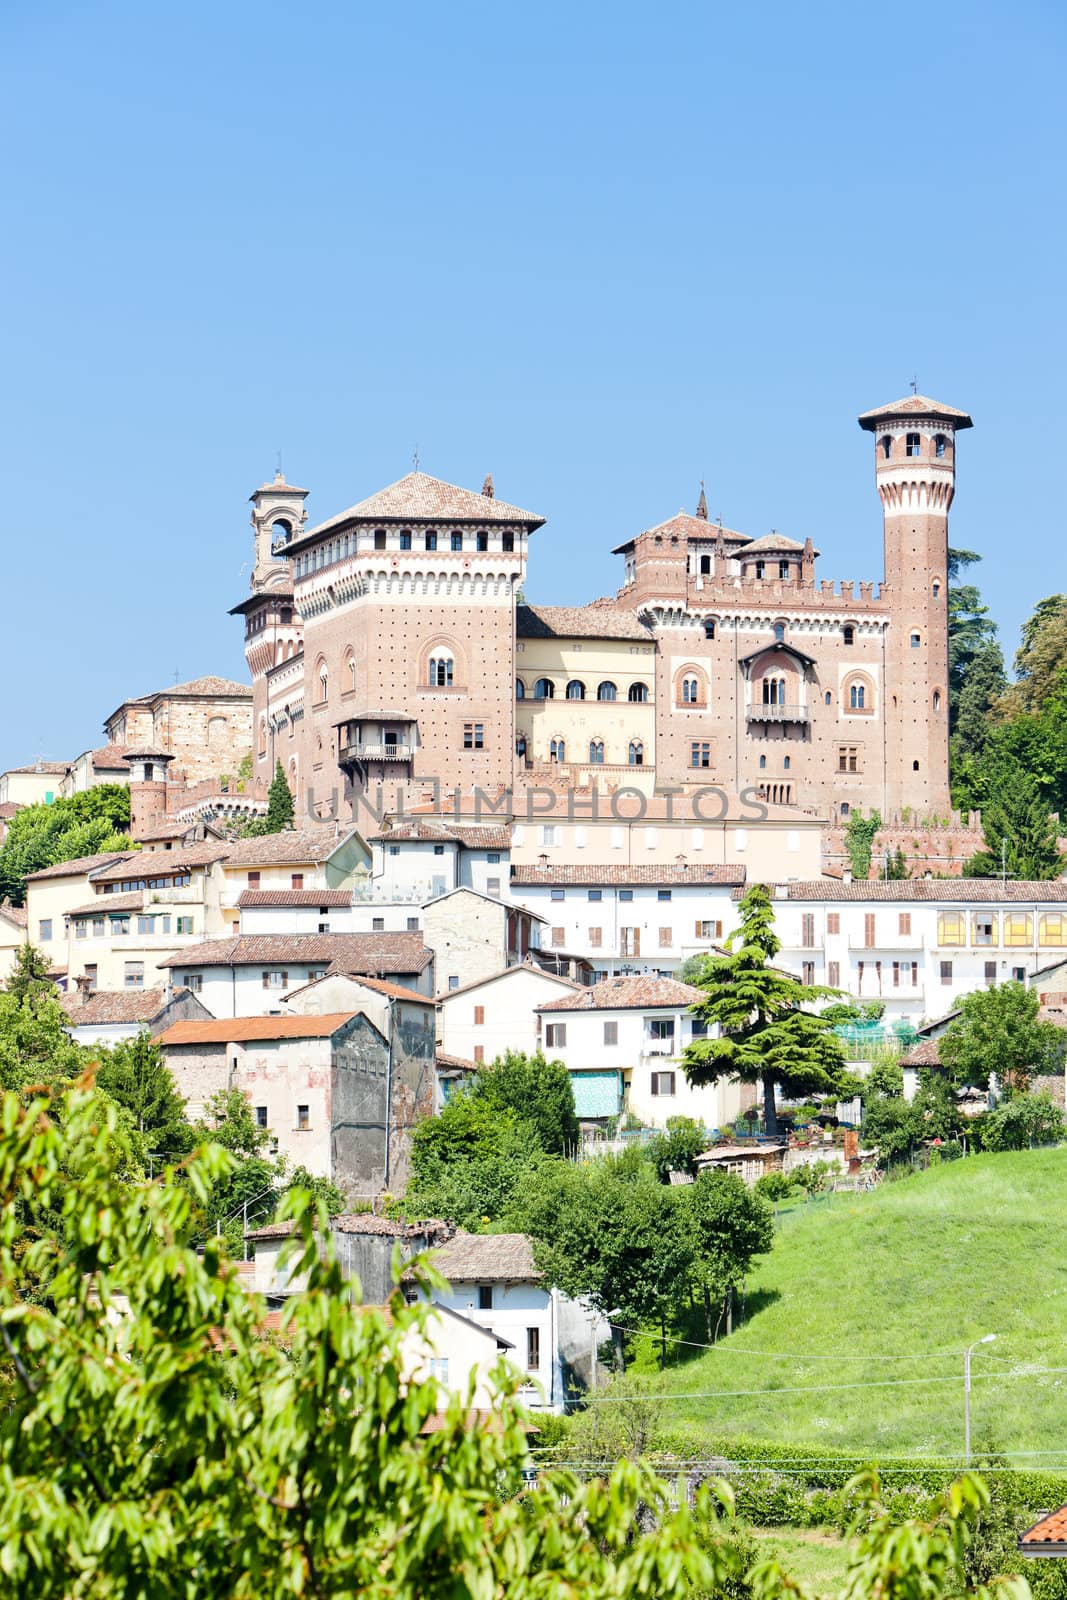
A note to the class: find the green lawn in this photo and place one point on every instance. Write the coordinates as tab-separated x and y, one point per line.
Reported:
869	1293
817	1560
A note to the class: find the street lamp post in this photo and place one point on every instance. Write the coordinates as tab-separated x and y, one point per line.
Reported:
986	1339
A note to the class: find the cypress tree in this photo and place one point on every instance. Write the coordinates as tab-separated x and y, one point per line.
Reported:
279	803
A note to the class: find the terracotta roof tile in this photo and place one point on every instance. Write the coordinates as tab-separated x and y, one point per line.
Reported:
602	619
529	965
395	991
47	769
110	904
163	863
1051	1529
103	1006
9	809
980	891
365	1222
627	994
527	874
685	526
357	954
914	405
476	836
80	864
247	1030
771	542
109	756
262	898
292	845
16	915
420	498
451	1063
487	1258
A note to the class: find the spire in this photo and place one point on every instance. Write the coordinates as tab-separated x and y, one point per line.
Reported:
487	487
702	504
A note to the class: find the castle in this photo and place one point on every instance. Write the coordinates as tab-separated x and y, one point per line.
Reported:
389	644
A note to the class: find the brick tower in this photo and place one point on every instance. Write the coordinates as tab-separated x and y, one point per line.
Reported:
915	469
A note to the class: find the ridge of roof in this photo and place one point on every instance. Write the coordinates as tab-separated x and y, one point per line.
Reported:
968	891
913	405
600	619
507	972
418	497
246	1030
628	994
354	954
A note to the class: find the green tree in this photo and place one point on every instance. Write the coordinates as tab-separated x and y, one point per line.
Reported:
1000	1030
609	1231
1019	833
279	802
1021	1122
1041	660
320	1189
247	1192
134	1074
35	1047
760	1014
42	835
859	840
159	1442
538	1091
29	981
984	684
730	1226
468	1162
676	1149
971	630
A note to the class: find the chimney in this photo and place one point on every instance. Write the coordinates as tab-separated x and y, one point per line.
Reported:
81	983
846	876
487	487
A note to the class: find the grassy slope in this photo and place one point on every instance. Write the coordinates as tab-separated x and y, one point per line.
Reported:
818	1561
910	1271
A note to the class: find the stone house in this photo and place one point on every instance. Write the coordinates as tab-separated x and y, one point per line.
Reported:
472	936
250	975
108	1016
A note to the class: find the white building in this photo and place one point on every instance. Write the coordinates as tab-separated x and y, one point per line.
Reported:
494	1282
622	1042
639	920
919	945
481	1020
420	860
250	975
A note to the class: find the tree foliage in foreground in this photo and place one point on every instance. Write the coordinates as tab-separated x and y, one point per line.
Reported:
161	1444
79	825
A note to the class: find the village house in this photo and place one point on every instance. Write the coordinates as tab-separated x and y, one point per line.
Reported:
481	1020
109	1016
38	783
250	975
295	859
12	935
622	1042
473	936
52	893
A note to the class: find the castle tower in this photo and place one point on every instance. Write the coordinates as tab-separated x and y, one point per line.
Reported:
278	516
915	469
148	789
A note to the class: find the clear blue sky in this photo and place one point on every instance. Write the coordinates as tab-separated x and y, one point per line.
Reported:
600	251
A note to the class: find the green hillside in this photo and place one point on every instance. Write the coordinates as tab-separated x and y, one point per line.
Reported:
877	1294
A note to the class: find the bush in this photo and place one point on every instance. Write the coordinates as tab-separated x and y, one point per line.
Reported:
774	1186
1021	1122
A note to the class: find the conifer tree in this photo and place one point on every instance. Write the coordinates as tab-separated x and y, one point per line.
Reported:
765	1029
279	803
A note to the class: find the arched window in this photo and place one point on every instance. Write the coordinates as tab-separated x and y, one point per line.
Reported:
442	670
848	633
857	695
828	698
557	750
606	691
940	445
324	683
280	534
762	763
709	628
935	588
520	746
350	673
887	445
289	720
915	766
596	751
937	699
544	689
262	736
916	641
690	691
638	693
637	753
774	691
779	632
576	689
914	445
520	689
845	808
785	763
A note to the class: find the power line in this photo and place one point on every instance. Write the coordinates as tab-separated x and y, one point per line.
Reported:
816	1388
793	1355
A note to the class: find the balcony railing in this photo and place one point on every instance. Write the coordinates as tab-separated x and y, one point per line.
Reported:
376	752
776	713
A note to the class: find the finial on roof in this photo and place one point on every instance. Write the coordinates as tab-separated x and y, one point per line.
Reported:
915	385
702	504
487	487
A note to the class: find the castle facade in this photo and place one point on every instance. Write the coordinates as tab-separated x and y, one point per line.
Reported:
390	644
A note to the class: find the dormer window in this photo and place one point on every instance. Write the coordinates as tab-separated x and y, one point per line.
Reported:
914	444
887	445
940	445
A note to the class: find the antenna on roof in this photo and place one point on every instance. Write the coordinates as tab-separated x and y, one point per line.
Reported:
415	457
177	675
915	385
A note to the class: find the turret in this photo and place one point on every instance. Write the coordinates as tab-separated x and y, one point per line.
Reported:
278	516
915	470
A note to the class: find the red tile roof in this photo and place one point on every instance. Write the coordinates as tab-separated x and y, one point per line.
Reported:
247	1030
47	769
163	863
914	405
14	914
476	836
665	874
529	965
627	994
601	619
487	1258
103	1006
109	756
394	991
262	898
981	891
360	954
110	903
365	1222
420	498
684	526
80	864
290	847
1050	1530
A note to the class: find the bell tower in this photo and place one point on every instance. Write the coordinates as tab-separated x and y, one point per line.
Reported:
278	516
915	470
